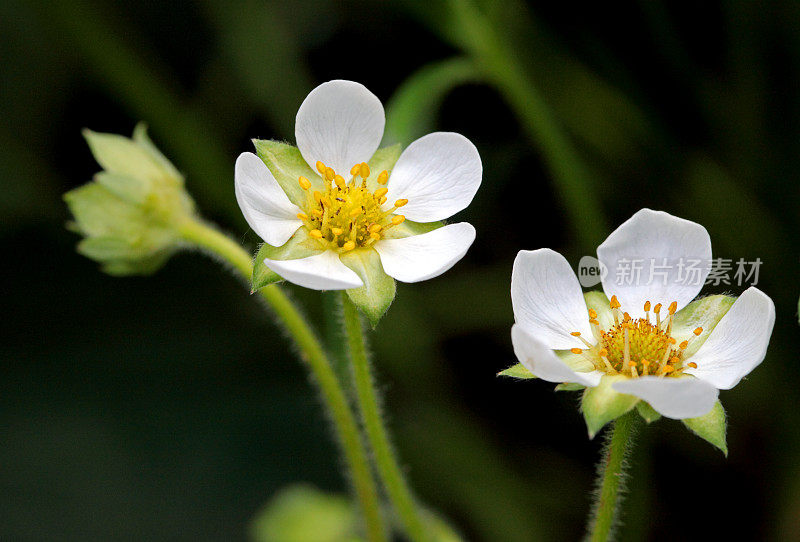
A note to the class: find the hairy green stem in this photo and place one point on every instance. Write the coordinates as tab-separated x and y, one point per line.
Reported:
378	436
611	479
312	353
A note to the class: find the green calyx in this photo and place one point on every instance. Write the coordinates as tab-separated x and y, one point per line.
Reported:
602	404
130	214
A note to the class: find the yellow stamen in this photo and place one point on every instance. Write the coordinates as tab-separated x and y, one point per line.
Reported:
355	169
400	202
380	192
337	231
375	235
375	228
355	212
305	184
321	167
350	245
698	331
692	364
684	345
614	302
302	216
398	219
383	177
329	174
364	170
576	333
339	180
317	213
316	234
592	314
673	307
576	350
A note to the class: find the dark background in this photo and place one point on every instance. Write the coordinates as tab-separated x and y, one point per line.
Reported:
170	407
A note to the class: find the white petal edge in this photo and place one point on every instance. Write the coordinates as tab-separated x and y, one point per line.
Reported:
422	257
651	237
438	174
676	398
548	300
739	341
263	202
322	271
543	362
340	123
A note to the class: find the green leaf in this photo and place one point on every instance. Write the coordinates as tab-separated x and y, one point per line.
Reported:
602	404
712	427
301	513
374	298
517	371
287	166
569	386
299	245
412	110
647	412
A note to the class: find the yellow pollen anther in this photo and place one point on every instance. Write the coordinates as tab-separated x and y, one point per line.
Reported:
355	169
316	234
400	202
673	307
576	350
673	360
375	228
632	364
626	317
667	369
355	212
317	212
692	364
657	308
592	314
603	353
398	219
594	322
684	345
375	235
380	192
698	331
302	216
305	184
339	180
317	196
329	174
349	245
576	333
383	177
320	167
364	170
382	200
646	306
672	340
337	231
614	302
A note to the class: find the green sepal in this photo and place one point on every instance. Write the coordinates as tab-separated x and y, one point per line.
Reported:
374	298
409	228
287	166
569	386
123	156
299	245
712	427
383	159
647	412
140	136
517	371
602	404
301	512
705	313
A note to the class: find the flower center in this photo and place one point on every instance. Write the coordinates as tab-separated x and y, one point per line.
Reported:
347	215
637	347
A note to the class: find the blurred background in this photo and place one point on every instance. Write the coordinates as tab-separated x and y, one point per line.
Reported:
170	408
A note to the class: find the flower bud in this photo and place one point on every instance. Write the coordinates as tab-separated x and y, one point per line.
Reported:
130	213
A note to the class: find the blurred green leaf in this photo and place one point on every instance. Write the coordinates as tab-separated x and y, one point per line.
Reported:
411	112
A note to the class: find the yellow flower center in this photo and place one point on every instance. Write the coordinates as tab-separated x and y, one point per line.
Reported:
637	347
347	215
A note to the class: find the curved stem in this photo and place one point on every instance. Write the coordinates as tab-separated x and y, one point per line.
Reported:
312	353
388	469
611	479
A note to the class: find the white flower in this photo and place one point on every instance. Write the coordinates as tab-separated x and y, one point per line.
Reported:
644	340
345	209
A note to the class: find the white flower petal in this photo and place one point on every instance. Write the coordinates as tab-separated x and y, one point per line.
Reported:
322	271
428	255
264	204
654	238
547	299
739	341
438	174
543	362
340	123
676	398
